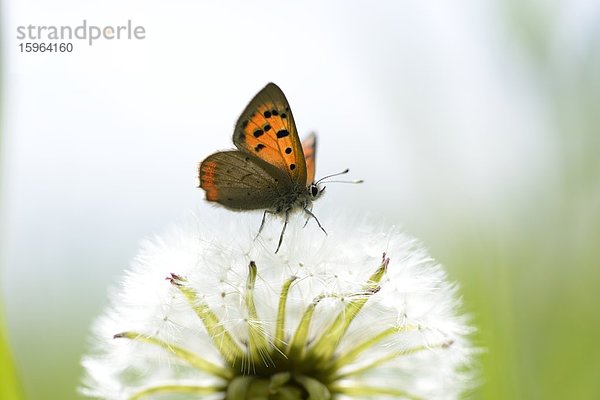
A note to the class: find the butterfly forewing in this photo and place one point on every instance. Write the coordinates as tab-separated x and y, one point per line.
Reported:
240	182
266	130
309	147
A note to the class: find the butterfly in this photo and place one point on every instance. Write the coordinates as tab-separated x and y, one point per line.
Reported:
271	169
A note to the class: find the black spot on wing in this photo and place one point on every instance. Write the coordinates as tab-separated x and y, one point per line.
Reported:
282	133
267	114
292	166
259	147
258	133
288	150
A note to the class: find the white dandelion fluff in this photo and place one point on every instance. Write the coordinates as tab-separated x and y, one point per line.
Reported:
325	318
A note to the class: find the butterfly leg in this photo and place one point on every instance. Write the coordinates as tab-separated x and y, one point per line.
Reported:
311	215
287	215
262	223
307	219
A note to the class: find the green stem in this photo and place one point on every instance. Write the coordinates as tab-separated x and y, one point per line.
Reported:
391	356
355	352
280	327
10	388
181	389
362	391
258	346
224	342
185	355
298	343
331	337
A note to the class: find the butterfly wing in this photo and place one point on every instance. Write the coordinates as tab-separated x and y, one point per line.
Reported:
239	181
266	130
309	147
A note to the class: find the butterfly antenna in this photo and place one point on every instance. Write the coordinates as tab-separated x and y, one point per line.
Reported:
332	175
354	181
338	174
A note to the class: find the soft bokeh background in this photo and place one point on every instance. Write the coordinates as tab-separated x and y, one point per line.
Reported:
475	124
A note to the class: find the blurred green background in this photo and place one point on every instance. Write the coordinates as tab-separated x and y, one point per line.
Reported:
531	271
498	173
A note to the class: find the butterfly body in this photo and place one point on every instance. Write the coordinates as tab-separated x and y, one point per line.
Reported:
271	169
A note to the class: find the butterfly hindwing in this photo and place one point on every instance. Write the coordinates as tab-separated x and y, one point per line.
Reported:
266	130
309	147
239	181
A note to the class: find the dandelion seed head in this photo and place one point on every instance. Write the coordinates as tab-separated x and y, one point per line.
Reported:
203	269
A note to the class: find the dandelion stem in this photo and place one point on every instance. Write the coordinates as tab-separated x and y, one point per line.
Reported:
280	326
372	391
185	355
229	349
298	343
352	354
329	340
392	356
258	344
184	389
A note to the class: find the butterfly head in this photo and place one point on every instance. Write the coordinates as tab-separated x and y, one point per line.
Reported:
315	190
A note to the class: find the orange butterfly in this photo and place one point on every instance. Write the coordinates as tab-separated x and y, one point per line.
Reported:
271	170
